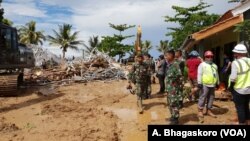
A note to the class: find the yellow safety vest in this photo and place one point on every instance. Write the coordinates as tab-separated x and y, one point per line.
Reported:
209	74
243	74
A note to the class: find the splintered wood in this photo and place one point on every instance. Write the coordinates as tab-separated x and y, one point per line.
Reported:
97	67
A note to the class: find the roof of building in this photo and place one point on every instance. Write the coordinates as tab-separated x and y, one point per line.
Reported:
227	20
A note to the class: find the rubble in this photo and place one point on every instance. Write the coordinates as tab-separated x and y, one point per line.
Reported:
41	54
97	66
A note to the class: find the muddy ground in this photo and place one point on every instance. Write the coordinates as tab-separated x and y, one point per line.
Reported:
95	111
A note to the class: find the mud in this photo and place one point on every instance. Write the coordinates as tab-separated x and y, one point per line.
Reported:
97	111
7	127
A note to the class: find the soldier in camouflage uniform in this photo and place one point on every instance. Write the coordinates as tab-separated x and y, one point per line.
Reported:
151	66
173	86
180	60
139	75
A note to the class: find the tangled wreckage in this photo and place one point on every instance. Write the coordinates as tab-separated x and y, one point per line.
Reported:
98	66
20	65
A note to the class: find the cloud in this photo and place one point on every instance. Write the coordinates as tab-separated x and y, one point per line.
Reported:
23	8
91	17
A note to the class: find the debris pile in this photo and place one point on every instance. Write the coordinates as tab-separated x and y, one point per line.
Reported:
42	54
98	66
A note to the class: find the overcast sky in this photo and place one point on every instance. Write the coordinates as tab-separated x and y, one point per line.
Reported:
91	17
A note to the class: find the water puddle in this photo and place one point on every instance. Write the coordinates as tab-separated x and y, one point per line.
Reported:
154	116
124	114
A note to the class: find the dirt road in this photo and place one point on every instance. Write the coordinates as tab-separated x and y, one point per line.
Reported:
95	111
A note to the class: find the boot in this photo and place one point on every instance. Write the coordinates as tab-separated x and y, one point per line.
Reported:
174	121
200	115
141	111
153	80
210	113
140	105
160	93
248	122
181	104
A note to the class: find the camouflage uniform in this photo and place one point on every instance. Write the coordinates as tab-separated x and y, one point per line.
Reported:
181	67
139	75
151	67
173	88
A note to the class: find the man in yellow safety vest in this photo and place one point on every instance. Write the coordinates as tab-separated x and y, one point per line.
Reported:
208	79
239	83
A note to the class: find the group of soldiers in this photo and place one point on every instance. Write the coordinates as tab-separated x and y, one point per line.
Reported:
207	77
140	75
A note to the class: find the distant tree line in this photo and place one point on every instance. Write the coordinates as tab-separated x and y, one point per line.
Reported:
189	20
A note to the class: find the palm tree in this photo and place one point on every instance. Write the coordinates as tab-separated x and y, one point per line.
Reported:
163	46
146	46
29	35
65	39
93	43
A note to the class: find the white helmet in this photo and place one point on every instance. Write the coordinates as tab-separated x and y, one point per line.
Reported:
240	48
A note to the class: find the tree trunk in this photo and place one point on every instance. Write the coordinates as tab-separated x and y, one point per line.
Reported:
119	58
63	52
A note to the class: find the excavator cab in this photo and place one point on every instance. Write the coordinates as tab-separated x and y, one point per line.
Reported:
8	46
14	58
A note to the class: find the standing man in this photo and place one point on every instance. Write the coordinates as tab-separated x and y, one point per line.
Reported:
44	64
208	79
193	63
161	67
172	86
139	75
151	66
226	69
180	60
240	83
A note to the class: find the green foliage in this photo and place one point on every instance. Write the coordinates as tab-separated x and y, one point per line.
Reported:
244	29
113	47
146	46
2	19
163	46
120	38
121	27
65	39
93	43
29	35
113	44
7	22
190	20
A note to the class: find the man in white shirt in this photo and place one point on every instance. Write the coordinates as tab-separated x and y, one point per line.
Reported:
240	83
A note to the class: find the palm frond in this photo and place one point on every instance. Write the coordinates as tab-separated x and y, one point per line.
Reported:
64	38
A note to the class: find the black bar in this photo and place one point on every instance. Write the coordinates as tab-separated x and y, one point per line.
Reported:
194	132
